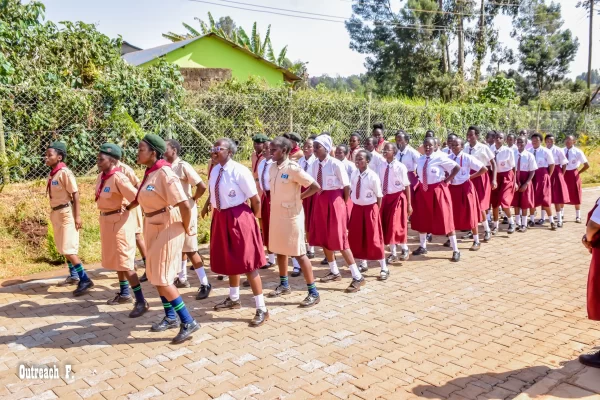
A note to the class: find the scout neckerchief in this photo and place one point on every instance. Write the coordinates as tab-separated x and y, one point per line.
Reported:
54	171
157	165
103	178
295	150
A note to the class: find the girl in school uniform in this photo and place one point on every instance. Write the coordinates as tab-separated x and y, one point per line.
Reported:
376	157
483	183
560	191
114	192
258	143
287	215
542	185
167	220
523	199
591	241
511	142
139	219
341	154
378	135
65	216
408	156
307	203
354	146
428	134
575	158
434	214
465	204
236	246
364	231
189	178
265	200
503	195
396	204
328	228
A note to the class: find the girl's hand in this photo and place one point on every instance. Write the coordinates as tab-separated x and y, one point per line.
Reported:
78	223
409	210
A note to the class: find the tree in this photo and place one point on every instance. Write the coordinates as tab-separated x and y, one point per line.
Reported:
595	76
545	51
500	55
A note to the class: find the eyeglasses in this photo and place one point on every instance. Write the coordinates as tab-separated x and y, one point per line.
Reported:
218	149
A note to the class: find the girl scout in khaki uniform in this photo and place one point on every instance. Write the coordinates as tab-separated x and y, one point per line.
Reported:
114	191
188	178
65	216
286	231
167	220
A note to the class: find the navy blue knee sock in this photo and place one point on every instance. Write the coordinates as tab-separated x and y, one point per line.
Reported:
81	273
139	295
312	289
181	310
72	270
169	312
124	285
283	280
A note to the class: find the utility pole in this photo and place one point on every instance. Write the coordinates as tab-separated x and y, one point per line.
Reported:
461	40
589	74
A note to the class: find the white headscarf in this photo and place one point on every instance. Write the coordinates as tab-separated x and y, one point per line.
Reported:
325	141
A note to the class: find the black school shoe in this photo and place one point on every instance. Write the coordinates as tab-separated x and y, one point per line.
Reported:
69	280
552	226
511	228
139	309
296	273
504	220
487	235
530	224
324	262
455	256
310	300
164	324
144	278
83	288
259	318
469	235
429	237
590	360
203	292
420	251
185	332
267	265
310	255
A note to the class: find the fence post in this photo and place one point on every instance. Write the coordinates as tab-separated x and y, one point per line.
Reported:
291	111
537	120
369	113
3	158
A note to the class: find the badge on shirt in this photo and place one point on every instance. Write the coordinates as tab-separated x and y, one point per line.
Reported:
369	195
397	183
149	188
231	193
573	161
106	189
54	183
331	181
285	176
503	163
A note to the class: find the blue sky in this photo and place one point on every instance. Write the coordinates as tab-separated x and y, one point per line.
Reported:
325	45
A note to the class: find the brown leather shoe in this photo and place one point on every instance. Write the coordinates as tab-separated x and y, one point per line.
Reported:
280	291
331	277
120	300
228	304
310	300
69	281
355	285
259	318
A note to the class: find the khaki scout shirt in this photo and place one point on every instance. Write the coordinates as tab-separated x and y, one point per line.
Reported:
117	192
161	189
62	187
187	175
129	173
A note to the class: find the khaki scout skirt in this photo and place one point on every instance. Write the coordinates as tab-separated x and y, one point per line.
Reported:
117	235
164	235
66	236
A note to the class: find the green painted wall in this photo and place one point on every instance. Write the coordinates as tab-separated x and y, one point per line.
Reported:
210	52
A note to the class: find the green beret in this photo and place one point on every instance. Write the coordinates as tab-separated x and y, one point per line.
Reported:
260	138
293	136
155	142
112	150
60	146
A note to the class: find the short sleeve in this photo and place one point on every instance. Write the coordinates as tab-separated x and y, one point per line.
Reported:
340	172
582	158
174	193
476	165
488	153
376	185
245	181
447	164
70	184
125	187
403	173
511	158
301	177
596	215
192	176
532	164
550	157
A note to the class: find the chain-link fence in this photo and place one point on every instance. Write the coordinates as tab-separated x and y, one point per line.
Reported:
30	118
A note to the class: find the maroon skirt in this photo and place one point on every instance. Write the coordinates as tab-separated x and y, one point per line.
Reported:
483	187
502	196
349	205
265	216
542	191
593	286
434	213
364	233
524	200
329	224
560	192
573	181
465	206
235	244
307	205
394	218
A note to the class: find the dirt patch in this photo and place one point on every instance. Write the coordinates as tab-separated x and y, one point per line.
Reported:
34	232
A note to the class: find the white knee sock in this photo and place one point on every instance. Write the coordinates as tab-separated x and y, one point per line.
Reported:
486	225
423	240
362	263
560	217
260	302
271	258
234	293
562	211
296	264
543	215
532	217
334	268
201	275
404	246
355	272
496	224
453	242
311	249
393	249
551	218
577	213
382	264
475	238
183	273
511	220
518	219
489	215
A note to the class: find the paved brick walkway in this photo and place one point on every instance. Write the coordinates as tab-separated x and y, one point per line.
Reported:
506	321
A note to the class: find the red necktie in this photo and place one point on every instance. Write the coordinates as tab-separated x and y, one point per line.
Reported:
385	180
262	176
320	176
217	194
358	188
425	185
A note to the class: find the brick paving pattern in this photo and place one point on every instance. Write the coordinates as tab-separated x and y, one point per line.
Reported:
506	321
